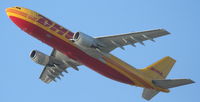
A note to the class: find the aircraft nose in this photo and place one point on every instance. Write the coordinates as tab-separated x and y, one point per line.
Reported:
11	9
16	7
7	9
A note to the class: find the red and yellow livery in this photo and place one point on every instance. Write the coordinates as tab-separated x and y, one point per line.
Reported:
112	67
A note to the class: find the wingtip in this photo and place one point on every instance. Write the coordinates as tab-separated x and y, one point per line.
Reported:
191	81
167	32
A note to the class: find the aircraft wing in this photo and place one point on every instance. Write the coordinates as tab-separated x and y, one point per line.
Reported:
112	42
53	71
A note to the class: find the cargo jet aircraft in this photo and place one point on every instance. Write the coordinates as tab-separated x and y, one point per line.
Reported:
75	49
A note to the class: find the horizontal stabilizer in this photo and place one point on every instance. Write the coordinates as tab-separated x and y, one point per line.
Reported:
149	93
170	83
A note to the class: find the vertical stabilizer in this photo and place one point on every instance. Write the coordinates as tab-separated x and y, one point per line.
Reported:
160	69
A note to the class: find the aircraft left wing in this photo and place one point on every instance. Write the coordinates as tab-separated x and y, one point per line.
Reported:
53	71
112	42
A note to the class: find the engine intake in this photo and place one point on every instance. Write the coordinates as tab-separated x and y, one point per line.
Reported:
85	40
39	57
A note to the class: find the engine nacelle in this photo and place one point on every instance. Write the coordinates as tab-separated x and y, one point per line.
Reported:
39	57
85	40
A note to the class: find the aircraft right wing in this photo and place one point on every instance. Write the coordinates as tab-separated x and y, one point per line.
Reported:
114	41
53	71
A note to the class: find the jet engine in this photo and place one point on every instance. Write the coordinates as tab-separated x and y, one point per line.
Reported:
39	57
87	41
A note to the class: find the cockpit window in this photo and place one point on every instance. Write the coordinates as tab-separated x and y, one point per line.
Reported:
18	8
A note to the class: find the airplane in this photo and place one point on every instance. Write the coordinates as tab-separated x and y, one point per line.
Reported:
75	49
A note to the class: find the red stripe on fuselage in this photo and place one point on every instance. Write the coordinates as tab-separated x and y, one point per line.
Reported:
70	50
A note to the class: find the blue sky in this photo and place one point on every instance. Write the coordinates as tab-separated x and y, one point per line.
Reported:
19	75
